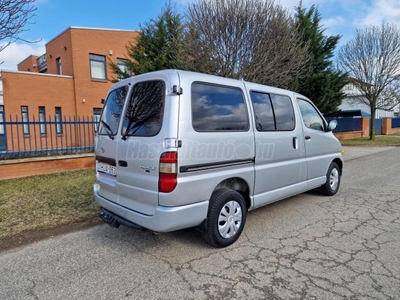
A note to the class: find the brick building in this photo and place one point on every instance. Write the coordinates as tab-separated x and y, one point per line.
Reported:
70	79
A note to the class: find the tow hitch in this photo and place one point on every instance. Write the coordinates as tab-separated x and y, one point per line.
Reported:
109	218
115	221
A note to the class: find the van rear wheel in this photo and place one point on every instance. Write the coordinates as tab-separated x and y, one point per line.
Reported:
226	218
332	183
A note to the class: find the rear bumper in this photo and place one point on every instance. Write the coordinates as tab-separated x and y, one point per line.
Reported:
165	218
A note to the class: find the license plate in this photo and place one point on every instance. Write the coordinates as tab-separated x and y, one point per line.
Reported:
106	169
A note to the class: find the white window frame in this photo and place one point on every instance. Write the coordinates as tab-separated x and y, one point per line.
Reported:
96	117
98	69
121	63
25	119
2	120
42	119
58	120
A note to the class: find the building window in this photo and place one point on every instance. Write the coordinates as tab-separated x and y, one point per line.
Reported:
25	119
98	66
59	66
96	117
2	119
42	119
58	120
121	63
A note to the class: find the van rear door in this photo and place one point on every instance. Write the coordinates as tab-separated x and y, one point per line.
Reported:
106	142
150	118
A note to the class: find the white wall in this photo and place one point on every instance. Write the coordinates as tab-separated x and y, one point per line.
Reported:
352	102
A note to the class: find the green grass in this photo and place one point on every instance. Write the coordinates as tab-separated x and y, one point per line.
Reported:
386	140
43	202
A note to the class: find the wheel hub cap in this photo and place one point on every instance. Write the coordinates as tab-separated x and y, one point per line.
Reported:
229	220
334	179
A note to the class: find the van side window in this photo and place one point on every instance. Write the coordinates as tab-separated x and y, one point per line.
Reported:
284	113
265	120
218	108
143	115
273	112
111	115
310	115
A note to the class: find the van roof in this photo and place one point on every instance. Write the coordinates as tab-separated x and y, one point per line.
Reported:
209	77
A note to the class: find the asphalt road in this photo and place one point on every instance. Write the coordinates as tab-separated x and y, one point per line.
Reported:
305	247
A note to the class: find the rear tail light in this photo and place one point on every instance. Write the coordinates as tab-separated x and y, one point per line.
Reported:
168	173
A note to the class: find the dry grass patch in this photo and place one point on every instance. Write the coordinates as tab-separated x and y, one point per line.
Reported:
43	202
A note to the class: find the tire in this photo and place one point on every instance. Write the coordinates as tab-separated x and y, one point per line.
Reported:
332	183
225	219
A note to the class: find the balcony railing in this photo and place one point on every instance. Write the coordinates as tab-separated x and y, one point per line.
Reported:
42	63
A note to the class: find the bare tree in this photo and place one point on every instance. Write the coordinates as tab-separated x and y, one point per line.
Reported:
373	59
252	39
14	15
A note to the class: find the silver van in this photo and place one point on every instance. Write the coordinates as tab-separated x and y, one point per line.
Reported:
178	149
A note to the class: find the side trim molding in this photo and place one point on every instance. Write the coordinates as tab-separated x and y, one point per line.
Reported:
214	165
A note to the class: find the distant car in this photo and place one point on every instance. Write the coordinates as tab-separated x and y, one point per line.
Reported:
178	149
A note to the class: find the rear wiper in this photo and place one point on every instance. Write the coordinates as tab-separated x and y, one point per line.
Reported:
137	125
106	126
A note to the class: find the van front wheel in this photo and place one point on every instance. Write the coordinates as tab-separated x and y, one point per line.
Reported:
332	183
226	218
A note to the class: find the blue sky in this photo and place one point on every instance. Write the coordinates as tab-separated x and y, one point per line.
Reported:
54	16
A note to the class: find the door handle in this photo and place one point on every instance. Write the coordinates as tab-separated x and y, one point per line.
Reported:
122	163
295	143
307	137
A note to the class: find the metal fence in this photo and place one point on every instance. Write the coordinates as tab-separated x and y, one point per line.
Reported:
378	126
46	137
346	124
395	122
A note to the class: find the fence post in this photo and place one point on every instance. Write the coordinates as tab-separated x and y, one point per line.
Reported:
386	125
364	126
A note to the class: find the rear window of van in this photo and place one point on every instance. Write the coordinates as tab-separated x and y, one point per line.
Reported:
143	116
111	114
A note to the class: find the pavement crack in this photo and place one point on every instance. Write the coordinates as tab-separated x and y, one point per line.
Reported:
32	289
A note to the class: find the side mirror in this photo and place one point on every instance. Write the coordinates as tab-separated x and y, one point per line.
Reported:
332	125
103	101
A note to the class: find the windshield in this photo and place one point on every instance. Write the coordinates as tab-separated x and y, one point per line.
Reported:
111	115
144	113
